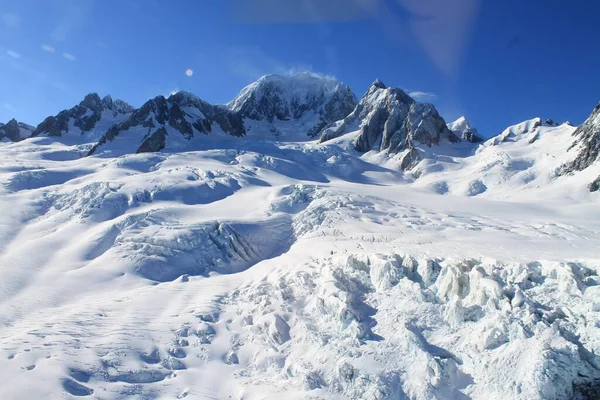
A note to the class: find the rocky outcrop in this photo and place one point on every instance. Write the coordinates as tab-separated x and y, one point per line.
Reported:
182	112
387	119
15	131
307	97
464	130
155	142
587	143
84	117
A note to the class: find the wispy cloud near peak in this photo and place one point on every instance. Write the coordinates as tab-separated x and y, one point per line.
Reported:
422	97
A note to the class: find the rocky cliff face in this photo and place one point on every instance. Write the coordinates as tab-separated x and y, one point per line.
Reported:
15	131
310	98
587	142
181	114
85	117
387	119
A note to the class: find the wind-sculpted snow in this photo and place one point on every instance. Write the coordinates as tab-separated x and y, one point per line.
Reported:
375	326
250	269
157	247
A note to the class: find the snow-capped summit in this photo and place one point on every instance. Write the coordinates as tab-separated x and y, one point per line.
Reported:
92	115
464	130
15	131
309	99
388	119
587	141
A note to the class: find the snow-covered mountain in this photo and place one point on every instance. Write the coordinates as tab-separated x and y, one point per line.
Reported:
15	131
92	117
464	130
388	120
200	253
284	105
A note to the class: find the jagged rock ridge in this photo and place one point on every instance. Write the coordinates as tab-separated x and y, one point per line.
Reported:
84	117
587	141
389	120
182	113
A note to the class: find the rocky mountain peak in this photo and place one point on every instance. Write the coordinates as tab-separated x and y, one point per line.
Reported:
85	116
463	129
93	102
378	84
180	116
387	119
587	142
15	131
311	98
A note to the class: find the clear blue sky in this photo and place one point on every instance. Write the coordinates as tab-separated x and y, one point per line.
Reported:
498	62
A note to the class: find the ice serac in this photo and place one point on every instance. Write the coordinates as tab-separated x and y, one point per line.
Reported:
15	131
310	99
464	130
180	116
90	115
389	120
587	141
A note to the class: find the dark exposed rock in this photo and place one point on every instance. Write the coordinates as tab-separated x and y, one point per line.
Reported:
595	185
154	142
15	131
410	159
390	120
84	116
587	141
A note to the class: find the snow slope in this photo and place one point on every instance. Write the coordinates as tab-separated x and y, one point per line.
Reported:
251	269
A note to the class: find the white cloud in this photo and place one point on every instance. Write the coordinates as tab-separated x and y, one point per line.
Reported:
11	20
9	107
251	63
189	72
48	48
422	97
69	56
13	54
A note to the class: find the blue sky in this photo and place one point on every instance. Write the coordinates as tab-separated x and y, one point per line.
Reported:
497	62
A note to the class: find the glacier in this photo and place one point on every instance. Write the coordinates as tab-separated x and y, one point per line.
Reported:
269	266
